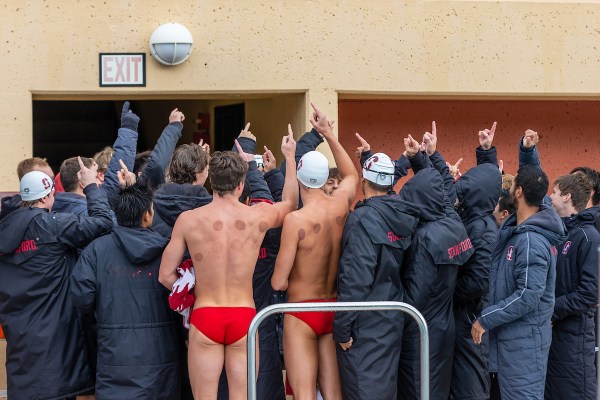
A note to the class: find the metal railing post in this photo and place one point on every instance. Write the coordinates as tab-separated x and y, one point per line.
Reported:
350	306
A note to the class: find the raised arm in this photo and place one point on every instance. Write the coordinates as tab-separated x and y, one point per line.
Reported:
289	197
347	187
486	153
162	152
125	148
528	154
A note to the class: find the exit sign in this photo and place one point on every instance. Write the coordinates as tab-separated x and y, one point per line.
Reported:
122	69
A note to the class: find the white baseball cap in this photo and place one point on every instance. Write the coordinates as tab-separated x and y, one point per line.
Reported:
379	169
35	185
313	170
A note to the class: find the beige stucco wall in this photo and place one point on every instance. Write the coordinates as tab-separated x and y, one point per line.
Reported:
353	47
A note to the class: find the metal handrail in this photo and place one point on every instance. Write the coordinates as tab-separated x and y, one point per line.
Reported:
341	306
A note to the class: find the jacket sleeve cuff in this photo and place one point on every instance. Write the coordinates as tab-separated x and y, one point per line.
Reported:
247	144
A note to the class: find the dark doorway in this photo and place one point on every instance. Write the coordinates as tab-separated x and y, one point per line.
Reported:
63	129
229	121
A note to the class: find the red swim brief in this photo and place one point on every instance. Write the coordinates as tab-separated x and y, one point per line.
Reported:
224	325
321	322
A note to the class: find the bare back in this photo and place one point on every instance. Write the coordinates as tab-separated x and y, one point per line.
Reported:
224	241
320	225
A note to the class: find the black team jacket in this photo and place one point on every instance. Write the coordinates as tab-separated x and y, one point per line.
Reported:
46	356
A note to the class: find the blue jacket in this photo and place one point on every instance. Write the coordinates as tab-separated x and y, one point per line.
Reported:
522	302
117	277
439	247
573	328
376	236
66	202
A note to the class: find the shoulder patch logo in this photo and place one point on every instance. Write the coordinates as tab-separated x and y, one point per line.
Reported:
566	247
509	253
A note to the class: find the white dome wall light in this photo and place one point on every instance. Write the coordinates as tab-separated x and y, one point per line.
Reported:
171	44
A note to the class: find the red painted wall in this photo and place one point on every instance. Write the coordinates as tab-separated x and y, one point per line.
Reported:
569	130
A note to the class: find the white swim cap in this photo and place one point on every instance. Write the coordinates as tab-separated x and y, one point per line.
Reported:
35	185
313	170
379	169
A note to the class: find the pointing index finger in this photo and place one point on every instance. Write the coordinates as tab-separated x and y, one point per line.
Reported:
238	147
81	166
123	166
493	130
290	131
315	108
247	127
433	129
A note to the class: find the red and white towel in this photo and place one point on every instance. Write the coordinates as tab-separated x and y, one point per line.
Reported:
182	297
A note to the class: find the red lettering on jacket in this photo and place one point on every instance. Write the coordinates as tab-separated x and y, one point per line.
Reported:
26	245
393	237
509	253
460	248
262	253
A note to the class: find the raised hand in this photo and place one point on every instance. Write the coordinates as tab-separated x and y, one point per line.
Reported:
486	137
288	145
412	146
364	146
126	177
128	119
176	116
86	175
530	139
246	156
454	169
430	140
269	161
205	146
320	123
246	133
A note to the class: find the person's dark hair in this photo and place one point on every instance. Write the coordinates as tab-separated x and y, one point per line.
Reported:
131	203
334	173
103	157
187	161
594	178
227	169
246	192
377	187
140	162
578	186
27	165
68	172
504	202
534	183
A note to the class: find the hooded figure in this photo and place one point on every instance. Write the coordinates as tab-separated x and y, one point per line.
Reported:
478	191
117	277
521	295
46	355
375	239
172	199
571	372
439	248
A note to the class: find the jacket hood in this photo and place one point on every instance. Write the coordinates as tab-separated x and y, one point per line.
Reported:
140	245
10	204
545	222
588	216
388	220
66	202
14	226
172	199
478	191
426	191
